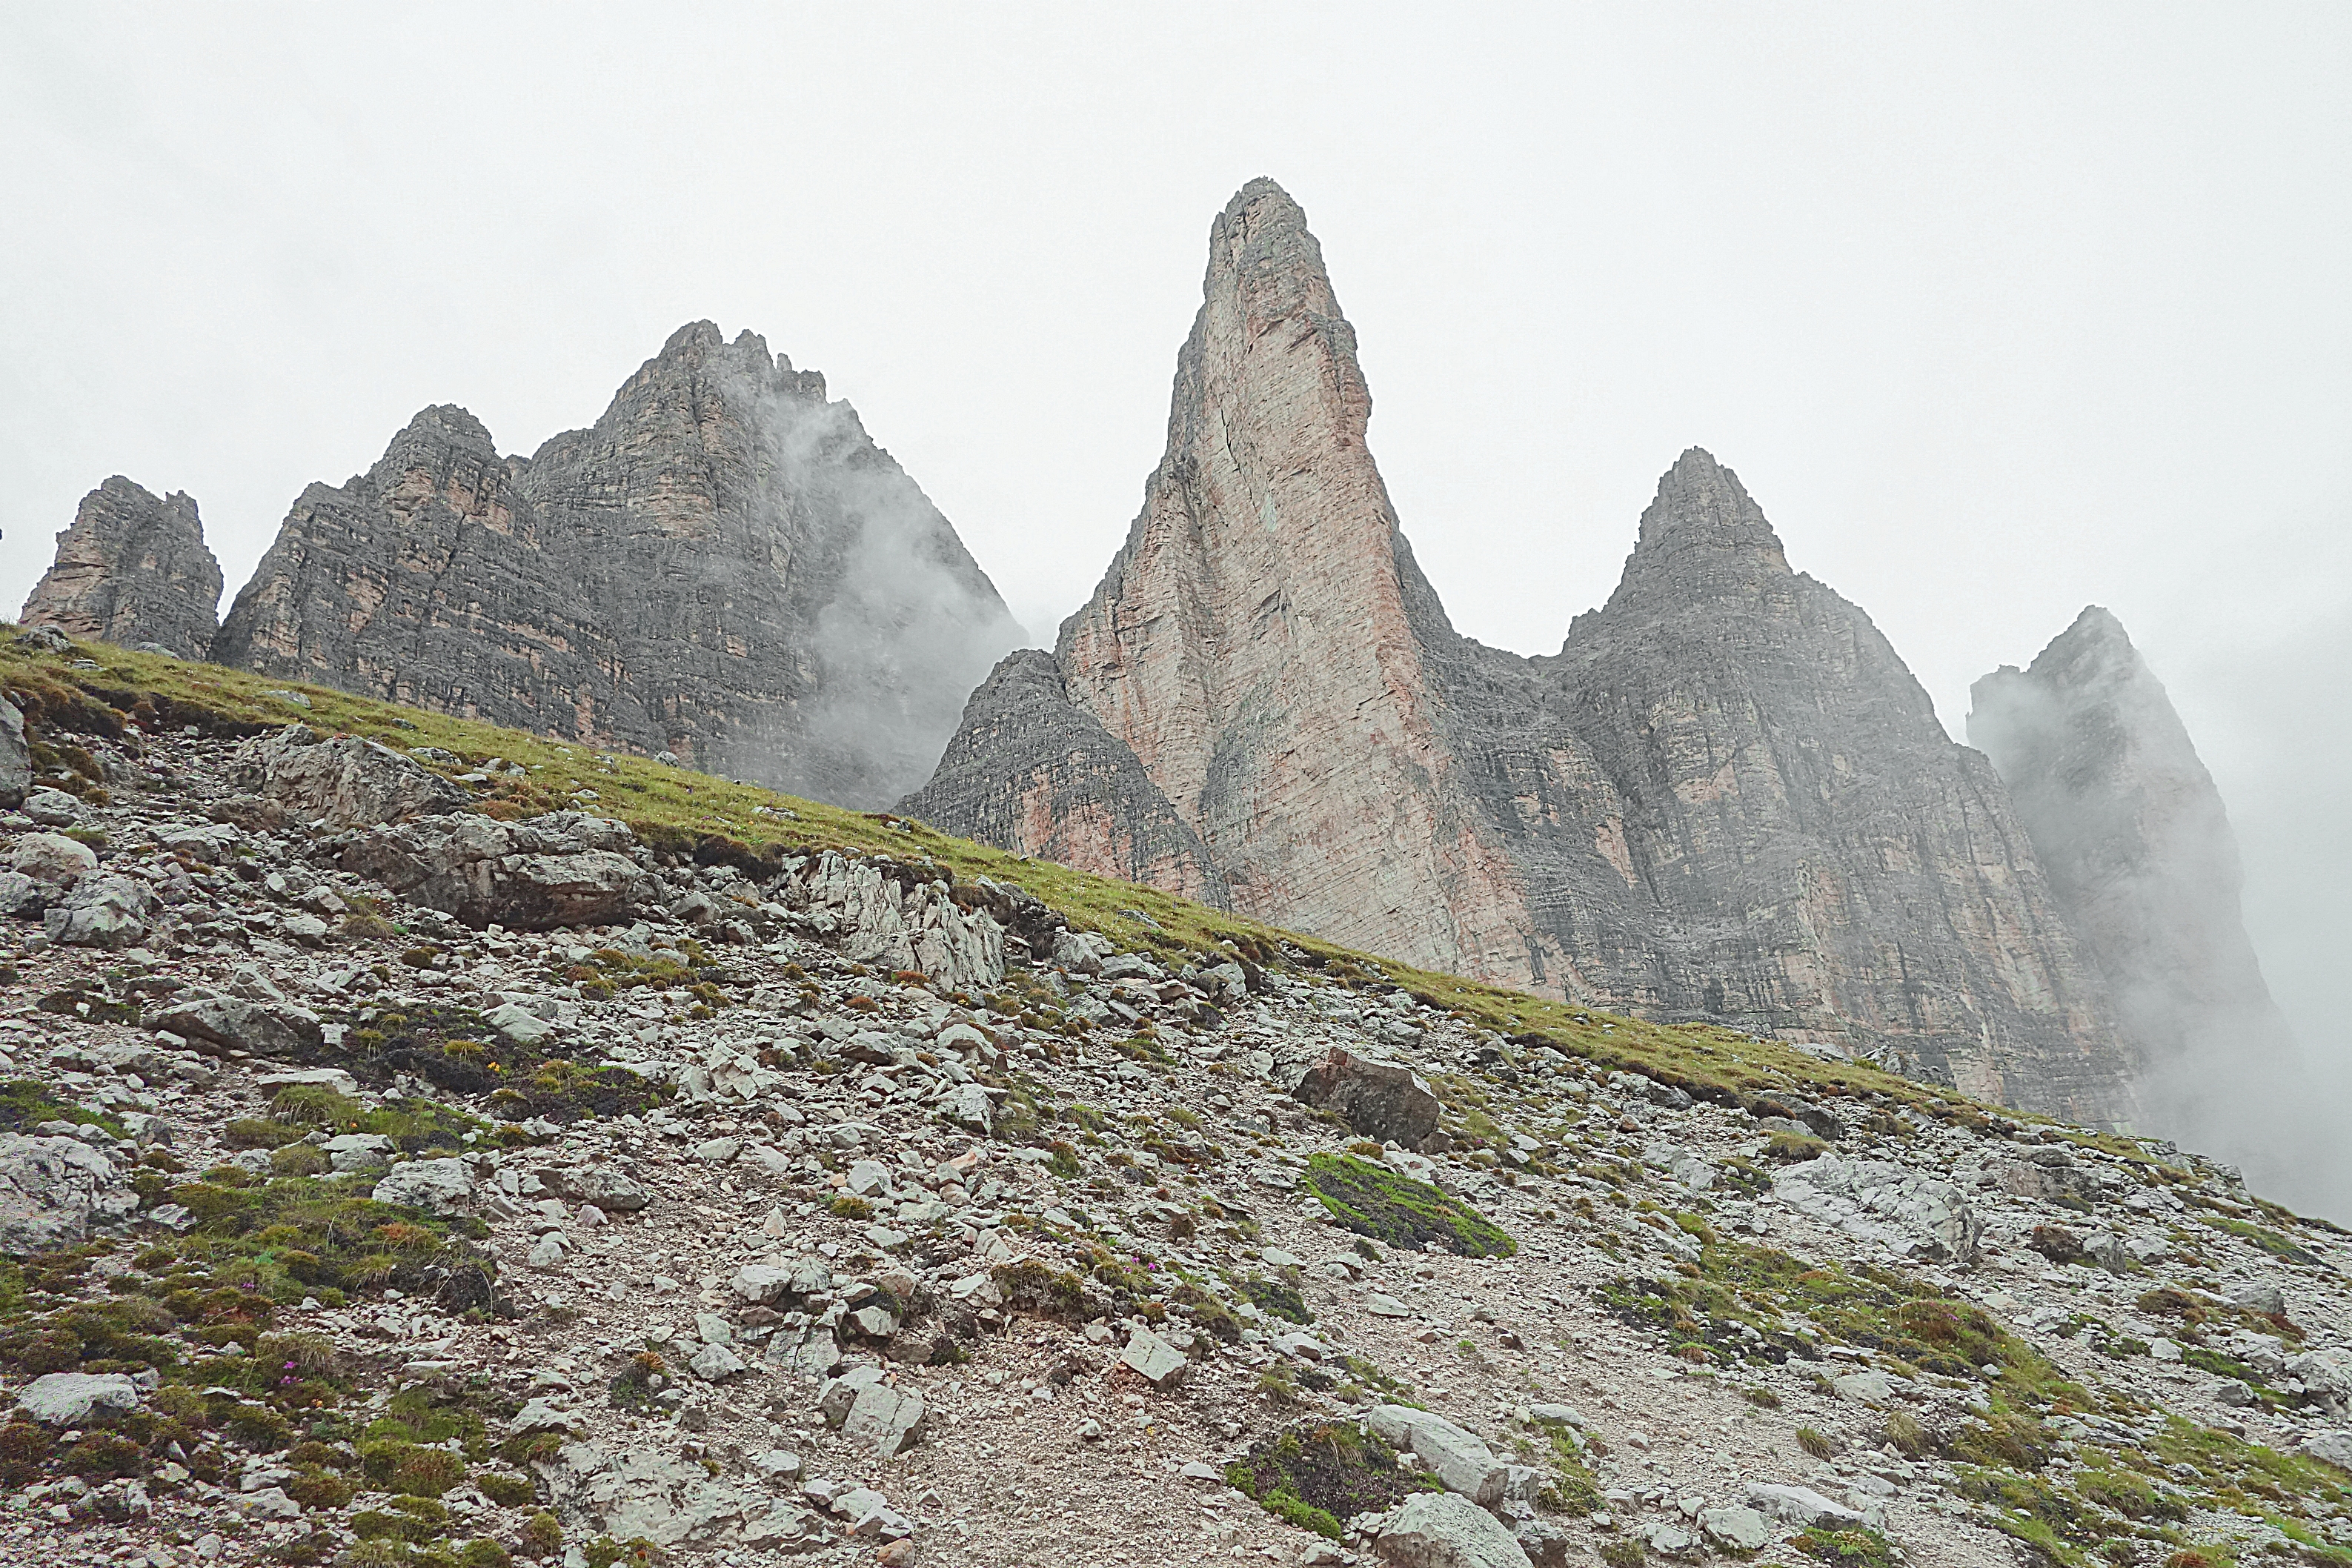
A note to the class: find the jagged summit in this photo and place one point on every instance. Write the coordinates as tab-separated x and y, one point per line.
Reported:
1724	798
2132	831
132	569
723	565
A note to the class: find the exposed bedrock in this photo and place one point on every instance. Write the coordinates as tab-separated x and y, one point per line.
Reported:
1726	797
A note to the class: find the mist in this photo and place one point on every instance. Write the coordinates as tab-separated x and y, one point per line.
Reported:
907	623
2130	829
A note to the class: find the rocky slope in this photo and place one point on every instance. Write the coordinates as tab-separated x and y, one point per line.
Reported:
724	566
581	1194
134	570
2138	850
1724	798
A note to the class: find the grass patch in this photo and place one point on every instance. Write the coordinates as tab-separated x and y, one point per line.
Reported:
1316	1476
1376	1202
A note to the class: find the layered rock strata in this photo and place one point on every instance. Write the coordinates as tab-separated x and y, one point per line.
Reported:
1724	797
134	570
724	566
2132	833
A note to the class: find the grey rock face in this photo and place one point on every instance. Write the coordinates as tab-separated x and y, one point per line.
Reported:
345	781
133	570
73	1398
2139	849
895	923
1385	1101
1875	1201
561	870
55	1192
15	755
1724	798
725	566
1027	767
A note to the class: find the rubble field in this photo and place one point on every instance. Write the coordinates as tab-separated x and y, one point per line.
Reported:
383	1181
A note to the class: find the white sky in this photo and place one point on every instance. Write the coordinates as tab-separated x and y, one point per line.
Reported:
1997	310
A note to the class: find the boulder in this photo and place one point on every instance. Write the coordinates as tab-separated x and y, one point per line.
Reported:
1154	1360
26	897
1381	1100
76	1398
440	1186
1444	1529
53	808
609	1187
518	1023
891	1418
1081	951
1457	1456
716	1362
102	911
54	859
554	871
233	1023
1873	1199
15	755
2336	1447
2327	1377
345	782
1737	1528
55	1191
358	1152
1800	1505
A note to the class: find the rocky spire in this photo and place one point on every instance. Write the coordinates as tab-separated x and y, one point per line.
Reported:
1724	798
133	570
724	565
1251	642
2138	848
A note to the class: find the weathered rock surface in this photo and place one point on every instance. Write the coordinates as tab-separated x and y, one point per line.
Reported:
344	781
724	566
902	922
1876	1200
560	869
57	1191
134	570
75	1398
15	755
2139	853
1028	767
1443	1530
1724	798
1386	1100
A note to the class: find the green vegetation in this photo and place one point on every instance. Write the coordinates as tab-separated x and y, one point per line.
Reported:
1374	1200
25	1105
1316	1476
1854	1548
714	819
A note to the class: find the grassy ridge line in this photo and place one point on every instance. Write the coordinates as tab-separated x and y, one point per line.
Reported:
675	807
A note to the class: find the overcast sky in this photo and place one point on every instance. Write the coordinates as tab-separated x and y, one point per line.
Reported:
1997	310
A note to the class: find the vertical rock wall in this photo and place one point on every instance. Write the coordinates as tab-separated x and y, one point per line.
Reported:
133	570
1724	797
725	565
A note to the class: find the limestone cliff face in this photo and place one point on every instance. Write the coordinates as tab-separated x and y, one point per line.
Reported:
725	565
134	570
1724	797
2139	849
1029	767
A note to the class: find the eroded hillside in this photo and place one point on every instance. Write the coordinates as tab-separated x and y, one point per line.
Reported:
428	1143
